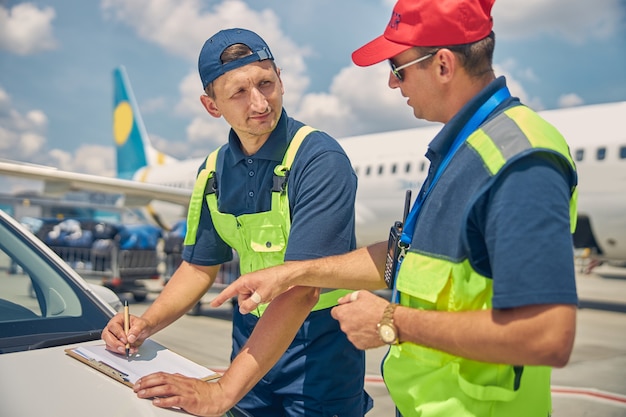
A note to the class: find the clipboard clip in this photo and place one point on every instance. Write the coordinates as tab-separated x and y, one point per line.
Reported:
109	370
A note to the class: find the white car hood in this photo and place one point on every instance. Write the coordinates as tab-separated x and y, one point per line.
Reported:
49	383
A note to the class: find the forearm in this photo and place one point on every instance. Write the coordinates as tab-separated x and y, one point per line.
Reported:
188	284
271	337
362	268
532	335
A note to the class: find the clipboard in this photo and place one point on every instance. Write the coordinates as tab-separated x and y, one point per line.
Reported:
151	357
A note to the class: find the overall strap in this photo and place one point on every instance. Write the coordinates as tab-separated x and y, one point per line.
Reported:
281	171
207	176
195	202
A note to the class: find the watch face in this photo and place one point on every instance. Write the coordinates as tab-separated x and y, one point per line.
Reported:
387	333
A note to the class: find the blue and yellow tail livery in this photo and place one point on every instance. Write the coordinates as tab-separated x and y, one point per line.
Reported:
129	132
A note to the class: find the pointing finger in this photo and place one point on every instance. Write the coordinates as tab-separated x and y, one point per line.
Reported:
226	294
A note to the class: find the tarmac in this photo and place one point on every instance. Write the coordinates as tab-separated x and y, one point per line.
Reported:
592	384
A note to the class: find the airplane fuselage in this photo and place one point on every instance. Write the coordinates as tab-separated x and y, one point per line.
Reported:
387	165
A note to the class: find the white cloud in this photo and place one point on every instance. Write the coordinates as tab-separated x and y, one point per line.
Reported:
37	118
575	21
62	159
26	29
359	101
570	100
205	133
30	143
179	149
23	137
7	139
88	159
152	105
5	102
93	159
326	112
182	26
190	90
515	86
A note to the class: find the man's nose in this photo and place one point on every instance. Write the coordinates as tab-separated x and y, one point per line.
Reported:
258	102
393	81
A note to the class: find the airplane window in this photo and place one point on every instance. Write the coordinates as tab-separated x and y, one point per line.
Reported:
622	152
407	168
422	166
368	170
380	169
356	171
601	154
580	154
394	168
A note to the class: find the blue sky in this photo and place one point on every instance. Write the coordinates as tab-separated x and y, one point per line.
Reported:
57	58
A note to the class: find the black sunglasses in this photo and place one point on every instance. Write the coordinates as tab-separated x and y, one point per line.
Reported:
396	70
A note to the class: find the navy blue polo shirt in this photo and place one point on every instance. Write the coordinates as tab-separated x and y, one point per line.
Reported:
519	232
321	191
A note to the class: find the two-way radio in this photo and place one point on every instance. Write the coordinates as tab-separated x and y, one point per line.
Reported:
395	248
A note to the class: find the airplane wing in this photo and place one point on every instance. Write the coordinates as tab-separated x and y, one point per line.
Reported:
57	182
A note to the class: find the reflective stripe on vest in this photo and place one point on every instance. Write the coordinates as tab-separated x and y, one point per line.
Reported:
539	133
260	239
427	382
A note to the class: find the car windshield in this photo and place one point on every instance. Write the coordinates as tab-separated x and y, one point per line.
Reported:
41	304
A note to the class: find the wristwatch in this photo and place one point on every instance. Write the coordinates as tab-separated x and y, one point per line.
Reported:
386	329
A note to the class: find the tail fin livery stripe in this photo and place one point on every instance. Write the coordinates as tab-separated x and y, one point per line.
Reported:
131	140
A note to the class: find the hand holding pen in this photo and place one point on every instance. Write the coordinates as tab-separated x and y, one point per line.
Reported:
124	333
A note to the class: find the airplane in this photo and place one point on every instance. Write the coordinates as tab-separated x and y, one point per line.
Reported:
387	164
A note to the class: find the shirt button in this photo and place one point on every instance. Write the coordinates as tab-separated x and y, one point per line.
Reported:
251	193
251	173
249	160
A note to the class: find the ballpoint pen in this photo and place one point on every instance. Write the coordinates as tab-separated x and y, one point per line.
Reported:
126	326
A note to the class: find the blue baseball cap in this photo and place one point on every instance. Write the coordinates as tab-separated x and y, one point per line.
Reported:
210	65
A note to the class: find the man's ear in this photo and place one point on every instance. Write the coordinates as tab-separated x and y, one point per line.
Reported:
210	106
448	63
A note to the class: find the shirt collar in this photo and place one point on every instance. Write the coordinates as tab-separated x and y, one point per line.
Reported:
273	149
440	145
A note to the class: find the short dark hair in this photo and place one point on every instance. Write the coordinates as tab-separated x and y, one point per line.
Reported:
476	57
230	54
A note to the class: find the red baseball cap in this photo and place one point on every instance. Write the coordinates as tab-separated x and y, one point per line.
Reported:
428	23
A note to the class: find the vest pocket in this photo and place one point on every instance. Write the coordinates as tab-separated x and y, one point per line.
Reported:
267	238
487	382
424	280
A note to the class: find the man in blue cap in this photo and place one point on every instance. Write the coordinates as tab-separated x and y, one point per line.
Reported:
278	191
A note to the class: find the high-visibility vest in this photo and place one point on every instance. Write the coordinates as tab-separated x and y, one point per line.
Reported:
260	239
437	274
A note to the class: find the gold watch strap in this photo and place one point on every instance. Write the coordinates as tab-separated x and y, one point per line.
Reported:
388	313
387	321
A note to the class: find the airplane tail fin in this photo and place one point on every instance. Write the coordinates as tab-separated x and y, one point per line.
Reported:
133	147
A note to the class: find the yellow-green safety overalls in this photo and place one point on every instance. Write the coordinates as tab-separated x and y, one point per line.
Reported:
260	239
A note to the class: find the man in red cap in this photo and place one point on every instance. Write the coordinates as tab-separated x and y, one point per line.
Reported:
482	272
